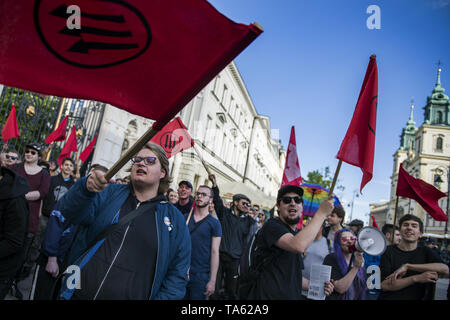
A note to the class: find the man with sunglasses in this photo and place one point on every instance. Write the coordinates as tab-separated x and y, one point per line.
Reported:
206	233
281	245
236	226
12	158
145	258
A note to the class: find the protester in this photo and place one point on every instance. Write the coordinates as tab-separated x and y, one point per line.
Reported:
172	196
53	168
206	234
388	231
39	182
12	158
347	270
44	165
335	221
3	157
236	226
148	258
261	219
185	199
56	243
281	246
409	271
315	254
356	225
14	216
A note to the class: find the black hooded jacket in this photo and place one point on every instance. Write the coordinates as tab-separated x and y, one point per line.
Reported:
14	214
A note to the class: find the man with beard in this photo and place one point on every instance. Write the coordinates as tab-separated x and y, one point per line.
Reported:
185	200
206	233
281	245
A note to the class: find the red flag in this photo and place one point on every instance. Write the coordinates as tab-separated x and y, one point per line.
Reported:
69	147
59	134
11	129
87	151
173	138
424	193
374	223
147	57
358	146
291	174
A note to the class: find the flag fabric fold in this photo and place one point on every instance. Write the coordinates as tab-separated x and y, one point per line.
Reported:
69	147
291	173
87	151
59	134
374	222
10	128
358	146
173	138
162	55
424	193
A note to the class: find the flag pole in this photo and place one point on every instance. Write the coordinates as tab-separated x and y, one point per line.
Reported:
135	148
395	217
58	120
336	174
190	215
203	162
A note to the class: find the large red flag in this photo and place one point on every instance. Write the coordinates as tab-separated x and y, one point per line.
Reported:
147	57
87	151
59	134
424	193
291	174
173	138
69	147
11	129
358	146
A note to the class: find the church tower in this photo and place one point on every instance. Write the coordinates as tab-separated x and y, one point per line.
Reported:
437	110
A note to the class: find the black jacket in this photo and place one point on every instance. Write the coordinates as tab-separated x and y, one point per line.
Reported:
234	229
14	214
58	188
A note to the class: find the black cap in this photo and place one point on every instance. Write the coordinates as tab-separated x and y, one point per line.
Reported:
287	189
239	196
356	223
186	183
34	146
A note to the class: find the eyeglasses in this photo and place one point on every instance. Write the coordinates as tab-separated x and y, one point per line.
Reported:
11	157
147	160
287	200
348	239
31	151
201	194
246	204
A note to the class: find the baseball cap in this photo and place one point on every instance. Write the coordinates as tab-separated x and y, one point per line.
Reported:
239	196
186	183
287	189
356	223
34	146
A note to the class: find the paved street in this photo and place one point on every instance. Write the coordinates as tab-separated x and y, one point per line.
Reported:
24	287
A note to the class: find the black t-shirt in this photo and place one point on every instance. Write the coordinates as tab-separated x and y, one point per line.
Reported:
393	258
186	208
336	274
282	279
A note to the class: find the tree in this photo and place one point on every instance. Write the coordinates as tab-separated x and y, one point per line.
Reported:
324	178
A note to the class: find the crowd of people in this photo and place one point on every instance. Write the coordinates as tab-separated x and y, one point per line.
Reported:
135	238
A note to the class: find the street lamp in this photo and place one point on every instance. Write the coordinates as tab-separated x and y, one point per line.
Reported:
437	182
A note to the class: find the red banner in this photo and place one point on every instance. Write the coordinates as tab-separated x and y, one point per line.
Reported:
69	147
10	128
59	134
87	151
291	174
173	138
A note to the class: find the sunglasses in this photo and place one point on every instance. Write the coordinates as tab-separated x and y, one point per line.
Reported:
11	157
287	200
348	239
147	160
246	204
31	151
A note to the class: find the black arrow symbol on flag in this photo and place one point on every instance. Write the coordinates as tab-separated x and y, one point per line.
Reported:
61	12
96	31
84	47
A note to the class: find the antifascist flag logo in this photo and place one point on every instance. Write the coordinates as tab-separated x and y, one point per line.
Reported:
111	31
171	142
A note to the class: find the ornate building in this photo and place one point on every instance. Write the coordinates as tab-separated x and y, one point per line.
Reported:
425	152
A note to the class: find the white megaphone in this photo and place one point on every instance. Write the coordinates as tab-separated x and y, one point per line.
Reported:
371	241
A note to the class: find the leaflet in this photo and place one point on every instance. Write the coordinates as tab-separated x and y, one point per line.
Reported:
319	275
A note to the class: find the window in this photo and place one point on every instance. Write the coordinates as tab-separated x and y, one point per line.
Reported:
440	118
225	89
439	143
208	132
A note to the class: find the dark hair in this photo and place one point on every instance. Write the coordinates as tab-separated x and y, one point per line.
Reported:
340	212
97	166
388	228
343	267
407	217
44	163
209	188
68	159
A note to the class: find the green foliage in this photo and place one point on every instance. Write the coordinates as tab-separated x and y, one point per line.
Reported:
324	178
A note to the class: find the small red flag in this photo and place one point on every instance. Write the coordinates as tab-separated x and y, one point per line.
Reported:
374	223
291	174
69	147
358	146
147	57
11	129
59	134
173	138
424	193
87	151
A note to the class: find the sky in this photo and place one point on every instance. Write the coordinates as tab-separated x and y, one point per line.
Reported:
307	68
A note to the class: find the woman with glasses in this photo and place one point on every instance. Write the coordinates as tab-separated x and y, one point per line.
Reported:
347	270
147	257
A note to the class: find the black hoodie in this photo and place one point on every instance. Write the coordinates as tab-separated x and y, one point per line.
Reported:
13	221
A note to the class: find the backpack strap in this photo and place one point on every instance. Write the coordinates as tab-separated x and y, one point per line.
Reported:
199	223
